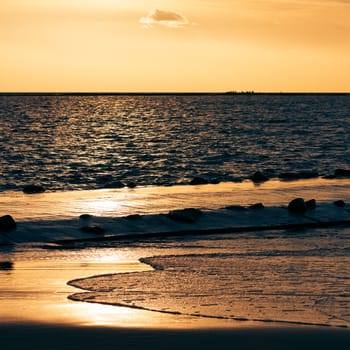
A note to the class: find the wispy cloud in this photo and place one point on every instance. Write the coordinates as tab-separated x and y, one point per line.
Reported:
164	18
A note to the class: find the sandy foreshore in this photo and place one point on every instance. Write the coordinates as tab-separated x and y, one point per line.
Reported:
36	313
38	336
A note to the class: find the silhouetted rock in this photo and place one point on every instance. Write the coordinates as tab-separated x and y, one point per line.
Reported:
114	184
299	175
31	189
131	184
188	215
308	174
297	205
310	204
85	216
339	203
257	206
94	229
199	181
214	181
342	173
7	223
236	208
6	265
259	177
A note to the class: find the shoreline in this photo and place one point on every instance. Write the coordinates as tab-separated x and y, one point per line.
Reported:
146	200
106	261
257	179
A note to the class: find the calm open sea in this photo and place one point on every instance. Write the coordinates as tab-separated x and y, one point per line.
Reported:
86	142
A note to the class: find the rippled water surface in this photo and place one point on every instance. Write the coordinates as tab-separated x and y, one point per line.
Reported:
86	142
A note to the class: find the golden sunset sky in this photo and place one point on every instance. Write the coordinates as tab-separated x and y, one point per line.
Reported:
174	45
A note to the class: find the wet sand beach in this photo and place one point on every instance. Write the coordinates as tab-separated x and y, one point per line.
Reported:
35	311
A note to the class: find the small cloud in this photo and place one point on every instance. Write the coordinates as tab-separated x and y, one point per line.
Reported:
164	18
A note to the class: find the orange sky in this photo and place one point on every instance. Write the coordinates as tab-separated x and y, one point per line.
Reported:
168	45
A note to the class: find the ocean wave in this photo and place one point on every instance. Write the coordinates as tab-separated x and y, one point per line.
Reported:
298	289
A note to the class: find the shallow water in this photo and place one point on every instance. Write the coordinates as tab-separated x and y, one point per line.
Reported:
35	290
282	277
285	277
161	199
224	278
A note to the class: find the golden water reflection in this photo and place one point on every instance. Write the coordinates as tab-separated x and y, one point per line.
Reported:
36	290
155	200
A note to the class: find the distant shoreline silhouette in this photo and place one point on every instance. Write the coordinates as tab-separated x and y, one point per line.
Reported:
167	93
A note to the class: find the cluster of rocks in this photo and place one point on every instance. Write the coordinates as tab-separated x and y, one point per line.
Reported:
339	174
297	206
187	215
107	181
300	206
260	176
35	189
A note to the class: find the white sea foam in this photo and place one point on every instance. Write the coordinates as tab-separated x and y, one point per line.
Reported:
292	278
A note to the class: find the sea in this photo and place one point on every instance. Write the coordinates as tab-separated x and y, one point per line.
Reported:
126	161
74	142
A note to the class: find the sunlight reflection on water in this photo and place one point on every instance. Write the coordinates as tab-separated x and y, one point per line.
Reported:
155	200
36	290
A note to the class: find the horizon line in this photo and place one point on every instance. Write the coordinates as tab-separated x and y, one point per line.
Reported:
140	93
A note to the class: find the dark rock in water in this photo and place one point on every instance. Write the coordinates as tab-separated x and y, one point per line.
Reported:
339	203
199	181
133	217
188	215
299	175
235	179
7	223
236	208
308	174
310	204
259	177
85	216
115	184
31	189
342	173
257	206
131	184
94	229
6	265
297	205
214	181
